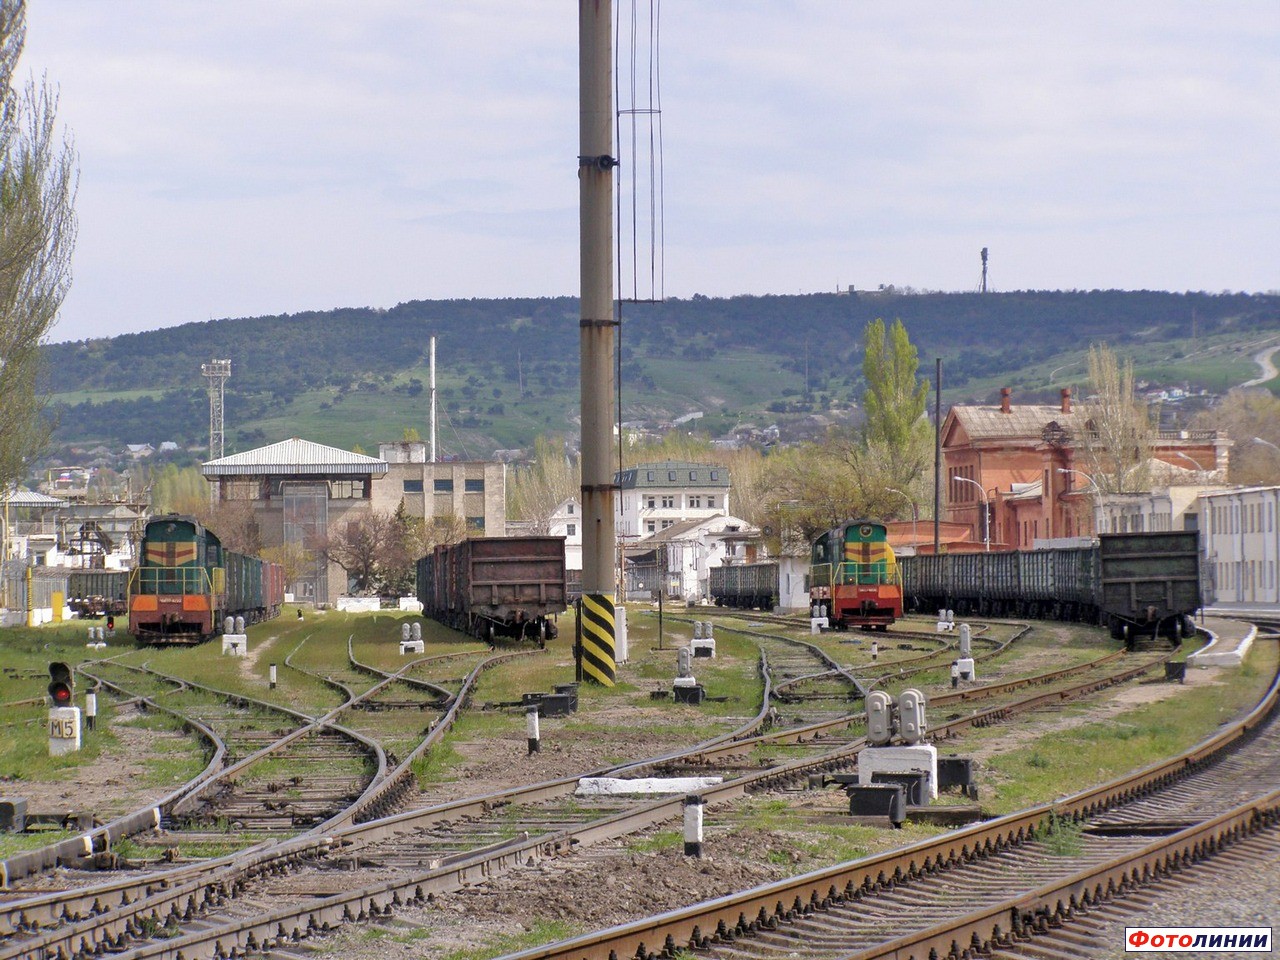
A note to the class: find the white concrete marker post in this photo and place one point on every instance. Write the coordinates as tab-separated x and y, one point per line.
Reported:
531	729
64	730
693	825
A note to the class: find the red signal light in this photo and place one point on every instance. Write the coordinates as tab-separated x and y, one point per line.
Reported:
60	684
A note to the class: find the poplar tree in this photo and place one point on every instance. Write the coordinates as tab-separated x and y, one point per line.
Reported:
38	176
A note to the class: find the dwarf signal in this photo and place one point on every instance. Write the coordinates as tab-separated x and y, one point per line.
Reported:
61	685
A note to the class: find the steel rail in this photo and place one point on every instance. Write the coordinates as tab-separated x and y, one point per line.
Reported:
291	923
737	914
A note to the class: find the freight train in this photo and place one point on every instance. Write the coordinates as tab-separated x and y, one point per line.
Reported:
1132	583
186	584
1135	584
745	586
492	587
854	574
97	593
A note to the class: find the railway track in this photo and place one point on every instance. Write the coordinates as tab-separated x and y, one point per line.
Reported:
996	886
498	832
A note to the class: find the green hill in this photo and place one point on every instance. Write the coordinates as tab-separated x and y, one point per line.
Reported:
507	370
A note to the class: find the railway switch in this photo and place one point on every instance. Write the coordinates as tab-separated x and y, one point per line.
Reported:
13	814
915	785
878	800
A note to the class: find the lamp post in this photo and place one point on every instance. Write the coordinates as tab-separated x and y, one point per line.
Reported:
1096	488
986	517
1097	495
1193	460
1266	443
915	514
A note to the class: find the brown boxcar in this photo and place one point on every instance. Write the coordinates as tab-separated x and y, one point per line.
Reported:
496	586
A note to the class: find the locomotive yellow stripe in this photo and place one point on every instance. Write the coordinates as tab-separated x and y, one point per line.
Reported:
171	554
598	635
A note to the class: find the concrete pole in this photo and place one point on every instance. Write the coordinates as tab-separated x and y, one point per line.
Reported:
597	334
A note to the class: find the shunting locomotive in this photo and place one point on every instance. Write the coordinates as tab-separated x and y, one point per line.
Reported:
854	574
186	583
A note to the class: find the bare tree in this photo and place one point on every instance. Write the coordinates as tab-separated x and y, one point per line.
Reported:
293	557
1250	416
357	547
38	177
1118	434
536	490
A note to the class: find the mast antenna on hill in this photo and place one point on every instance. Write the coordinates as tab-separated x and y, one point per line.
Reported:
982	287
217	372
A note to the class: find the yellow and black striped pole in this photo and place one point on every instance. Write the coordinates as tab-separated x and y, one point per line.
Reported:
597	328
598	639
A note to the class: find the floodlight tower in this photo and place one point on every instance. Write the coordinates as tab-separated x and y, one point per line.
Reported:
217	372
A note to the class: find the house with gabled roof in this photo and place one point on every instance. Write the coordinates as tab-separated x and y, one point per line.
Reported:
655	496
1011	471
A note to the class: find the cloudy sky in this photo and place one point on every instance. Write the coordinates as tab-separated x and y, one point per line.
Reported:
244	157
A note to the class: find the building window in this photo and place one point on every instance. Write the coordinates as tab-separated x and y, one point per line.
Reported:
444	485
651	527
667	523
650	503
346	490
668	503
693	475
473	486
695	503
570	510
711	502
571	529
715	474
475	523
671	475
413	486
649	475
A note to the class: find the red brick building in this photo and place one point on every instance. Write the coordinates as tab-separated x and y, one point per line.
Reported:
1010	471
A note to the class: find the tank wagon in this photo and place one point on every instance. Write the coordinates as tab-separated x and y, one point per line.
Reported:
853	573
98	593
1133	583
745	586
186	584
496	586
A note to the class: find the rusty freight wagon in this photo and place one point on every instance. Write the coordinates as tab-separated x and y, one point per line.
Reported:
493	587
1135	584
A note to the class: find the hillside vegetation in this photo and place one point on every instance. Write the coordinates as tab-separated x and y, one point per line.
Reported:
508	369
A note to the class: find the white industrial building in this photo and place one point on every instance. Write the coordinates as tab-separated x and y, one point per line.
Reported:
1240	546
656	496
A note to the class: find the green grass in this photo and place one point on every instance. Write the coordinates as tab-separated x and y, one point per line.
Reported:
539	932
1096	752
1061	838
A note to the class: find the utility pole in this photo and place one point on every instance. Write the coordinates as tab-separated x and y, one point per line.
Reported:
598	329
937	458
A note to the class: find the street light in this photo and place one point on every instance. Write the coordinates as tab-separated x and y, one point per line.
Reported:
986	517
1266	443
1096	488
1199	468
915	514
